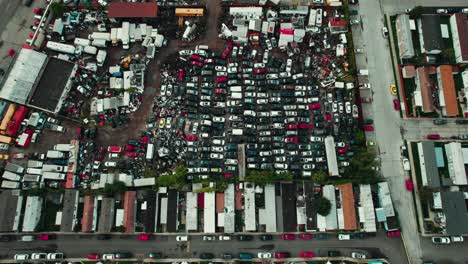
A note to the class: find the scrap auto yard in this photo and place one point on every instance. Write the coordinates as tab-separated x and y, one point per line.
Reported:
152	130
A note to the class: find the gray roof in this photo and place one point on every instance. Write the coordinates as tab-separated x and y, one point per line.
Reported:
22	77
69	211
454	206
432	34
106	216
9	204
432	173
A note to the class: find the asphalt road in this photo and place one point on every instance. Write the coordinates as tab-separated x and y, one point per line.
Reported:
76	246
398	6
387	121
417	129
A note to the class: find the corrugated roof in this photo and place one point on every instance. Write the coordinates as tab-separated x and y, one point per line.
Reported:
128	9
426	86
189	11
219	202
347	203
129	214
238	201
88	210
448	86
461	20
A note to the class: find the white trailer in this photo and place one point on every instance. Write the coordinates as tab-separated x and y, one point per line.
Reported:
101	57
90	50
60	47
100	43
114	36
10	185
150	151
35	163
11	176
125	35
53	168
34	171
48	175
236	95
131	32
31	178
237	132
82	42
54	154
144	182
100	35
64	147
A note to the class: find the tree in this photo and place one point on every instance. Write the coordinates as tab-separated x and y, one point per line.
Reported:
319	177
116	187
425	193
362	167
322	205
262	177
416	12
57	9
360	137
177	179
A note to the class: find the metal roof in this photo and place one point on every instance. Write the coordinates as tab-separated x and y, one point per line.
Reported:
331	218
69	211
106	215
229	210
429	171
455	163
270	208
23	76
456	214
129	9
331	156
366	210
192	212
385	199
209	225
249	207
32	213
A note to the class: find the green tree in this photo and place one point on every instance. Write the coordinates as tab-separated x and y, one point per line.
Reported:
114	188
319	177
362	167
416	12
57	9
177	179
262	177
322	205
150	172
360	137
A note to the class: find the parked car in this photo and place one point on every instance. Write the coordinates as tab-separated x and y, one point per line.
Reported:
433	136
358	255
307	254
396	104
440	122
441	240
409	184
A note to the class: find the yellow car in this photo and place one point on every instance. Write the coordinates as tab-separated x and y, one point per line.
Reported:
4	156
162	122
393	89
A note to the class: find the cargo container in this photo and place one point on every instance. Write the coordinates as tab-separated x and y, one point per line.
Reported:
54	154
82	42
90	50
144	182
100	35
100	43
7	117
10	185
125	35
150	151
114	36
31	178
48	175
11	176
34	171
101	57
54	168
14	168
35	163
60	47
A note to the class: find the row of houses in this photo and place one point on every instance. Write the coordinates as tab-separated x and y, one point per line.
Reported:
285	207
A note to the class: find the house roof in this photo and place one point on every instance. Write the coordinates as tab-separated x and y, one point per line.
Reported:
70	202
129	213
347	203
106	215
432	34
461	20
432	173
453	204
448	86
88	210
426	89
219	202
129	9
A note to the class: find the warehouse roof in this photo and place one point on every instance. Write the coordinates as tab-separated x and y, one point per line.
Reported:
129	213
453	204
448	86
106	216
69	212
347	203
129	9
88	214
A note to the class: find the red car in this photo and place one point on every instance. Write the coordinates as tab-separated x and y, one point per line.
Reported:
143	237
220	91
368	128
93	256
396	233
433	136
195	57
314	106
409	184
291	126
131	154
197	63
291	140
396	104
225	53
191	137
228	175
43	237
341	150
305	236
288	237
259	71
114	149
180	75
281	255
307	254
221	79
306	126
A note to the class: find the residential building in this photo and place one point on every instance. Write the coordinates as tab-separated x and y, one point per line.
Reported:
69	210
447	93
405	40
459	28
428	165
209	217
347	218
430	35
455	163
424	88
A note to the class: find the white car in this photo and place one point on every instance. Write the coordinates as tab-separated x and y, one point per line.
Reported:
110	164
209	238
335	107
289	65
216	156
441	240
264	255
340	144
265	57
259	65
385	32
457	239
185	52
232	70
344	237
181	238
21	256
441	11
231	162
224	237
220	74
221	68
108	256
205	103
219	119
39	256
358	255
218	141
217	149
348	107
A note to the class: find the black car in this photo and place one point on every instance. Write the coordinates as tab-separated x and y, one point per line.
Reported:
206	256
266	237
103	237
333	253
461	121
244	237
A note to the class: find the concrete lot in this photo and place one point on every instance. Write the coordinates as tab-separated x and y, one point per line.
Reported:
75	246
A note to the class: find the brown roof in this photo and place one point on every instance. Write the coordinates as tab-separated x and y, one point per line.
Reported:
462	28
238	200
129	9
426	89
88	211
347	203
220	202
448	87
129	211
409	71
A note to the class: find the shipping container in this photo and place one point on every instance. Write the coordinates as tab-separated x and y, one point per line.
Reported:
125	35
90	50
47	175
11	176
14	168
64	147
31	178
100	43
101	57
82	42
100	35
60	47
10	185
149	151
35	163
7	117
54	154
34	171
53	168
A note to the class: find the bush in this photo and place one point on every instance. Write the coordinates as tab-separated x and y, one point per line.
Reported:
322	205
262	177
178	179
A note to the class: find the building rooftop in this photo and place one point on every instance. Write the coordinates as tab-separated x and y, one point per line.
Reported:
69	211
454	206
106	215
32	213
432	35
461	42
11	202
347	203
428	161
449	93
130	210
136	10
88	214
426	87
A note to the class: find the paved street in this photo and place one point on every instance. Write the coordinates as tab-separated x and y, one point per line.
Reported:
376	59
75	246
417	129
398	6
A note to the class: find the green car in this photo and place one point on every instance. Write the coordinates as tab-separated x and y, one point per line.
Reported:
440	122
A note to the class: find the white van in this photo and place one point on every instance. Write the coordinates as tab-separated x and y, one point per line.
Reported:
21	256
27	238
